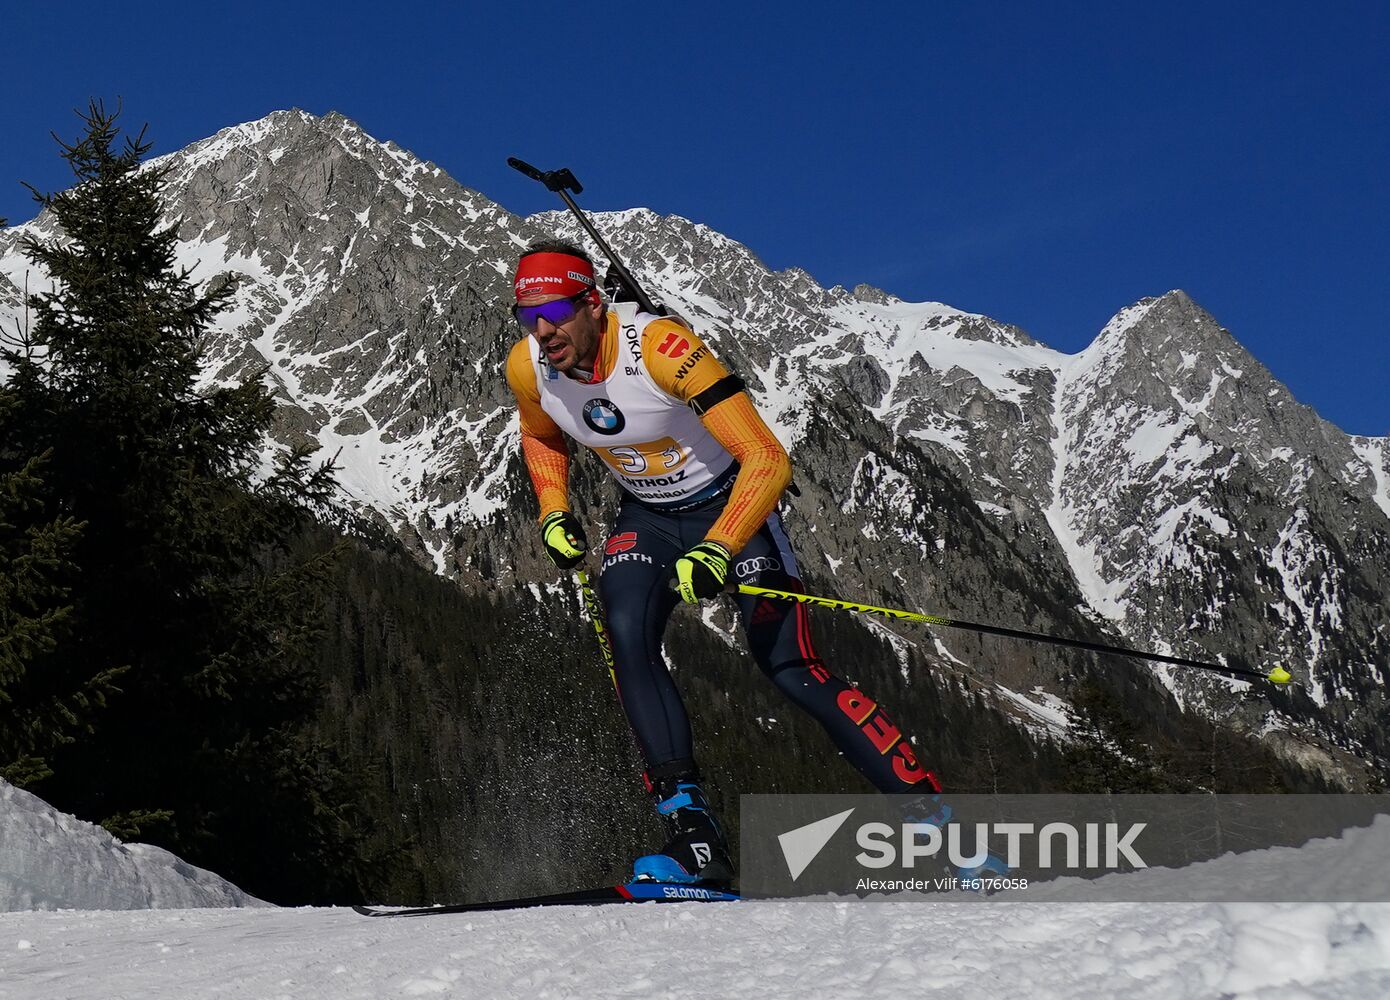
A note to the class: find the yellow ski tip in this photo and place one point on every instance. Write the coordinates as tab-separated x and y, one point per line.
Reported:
1280	676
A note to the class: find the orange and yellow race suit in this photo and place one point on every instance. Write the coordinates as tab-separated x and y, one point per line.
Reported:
695	462
635	414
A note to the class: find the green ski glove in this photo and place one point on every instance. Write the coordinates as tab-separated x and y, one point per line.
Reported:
564	538
701	572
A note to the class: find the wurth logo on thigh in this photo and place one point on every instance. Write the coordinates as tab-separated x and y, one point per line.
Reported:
621	543
623	557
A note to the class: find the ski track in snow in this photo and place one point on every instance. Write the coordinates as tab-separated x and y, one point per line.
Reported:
766	949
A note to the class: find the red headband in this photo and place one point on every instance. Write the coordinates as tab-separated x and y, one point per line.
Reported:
552	274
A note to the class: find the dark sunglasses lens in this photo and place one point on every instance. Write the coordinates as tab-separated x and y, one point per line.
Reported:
557	312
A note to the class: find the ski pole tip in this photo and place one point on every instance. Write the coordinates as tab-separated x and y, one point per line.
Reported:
1280	676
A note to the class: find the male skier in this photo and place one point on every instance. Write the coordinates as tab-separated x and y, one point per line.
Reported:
701	476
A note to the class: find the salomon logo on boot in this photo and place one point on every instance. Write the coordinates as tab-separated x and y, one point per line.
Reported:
695	850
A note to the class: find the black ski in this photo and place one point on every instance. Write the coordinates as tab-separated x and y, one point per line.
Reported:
629	892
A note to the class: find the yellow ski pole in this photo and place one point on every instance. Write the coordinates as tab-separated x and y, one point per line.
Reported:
591	605
1278	675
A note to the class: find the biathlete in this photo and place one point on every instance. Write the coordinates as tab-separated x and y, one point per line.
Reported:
701	477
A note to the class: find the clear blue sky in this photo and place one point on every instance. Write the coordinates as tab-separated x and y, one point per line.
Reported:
1046	164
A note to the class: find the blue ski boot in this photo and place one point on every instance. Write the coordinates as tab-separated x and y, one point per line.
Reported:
993	866
931	809
695	848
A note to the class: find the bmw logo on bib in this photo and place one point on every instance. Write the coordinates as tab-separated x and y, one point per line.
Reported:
602	416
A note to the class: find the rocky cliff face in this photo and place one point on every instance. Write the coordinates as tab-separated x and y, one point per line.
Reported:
1159	489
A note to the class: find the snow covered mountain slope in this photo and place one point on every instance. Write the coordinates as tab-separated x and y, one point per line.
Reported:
52	861
776	949
1177	490
1159	489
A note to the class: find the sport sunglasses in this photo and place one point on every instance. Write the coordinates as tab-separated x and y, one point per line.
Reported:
556	312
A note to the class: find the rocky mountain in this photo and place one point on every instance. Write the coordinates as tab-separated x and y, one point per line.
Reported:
1159	489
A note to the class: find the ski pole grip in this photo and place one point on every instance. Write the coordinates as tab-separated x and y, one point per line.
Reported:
558	181
563	181
526	169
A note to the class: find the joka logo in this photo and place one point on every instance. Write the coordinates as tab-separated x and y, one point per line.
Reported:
801	846
621	543
602	416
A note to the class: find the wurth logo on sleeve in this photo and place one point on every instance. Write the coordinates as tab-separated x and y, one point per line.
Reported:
688	365
673	346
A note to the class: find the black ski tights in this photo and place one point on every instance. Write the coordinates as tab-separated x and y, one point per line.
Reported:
639	601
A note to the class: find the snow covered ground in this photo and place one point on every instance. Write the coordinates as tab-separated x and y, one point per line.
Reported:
753	949
768	950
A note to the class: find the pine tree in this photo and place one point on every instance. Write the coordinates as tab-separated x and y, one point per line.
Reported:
1105	754
181	567
41	709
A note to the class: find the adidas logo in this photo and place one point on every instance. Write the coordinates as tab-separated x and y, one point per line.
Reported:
765	611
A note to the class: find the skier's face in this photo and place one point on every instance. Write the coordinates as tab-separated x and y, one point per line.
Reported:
573	342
